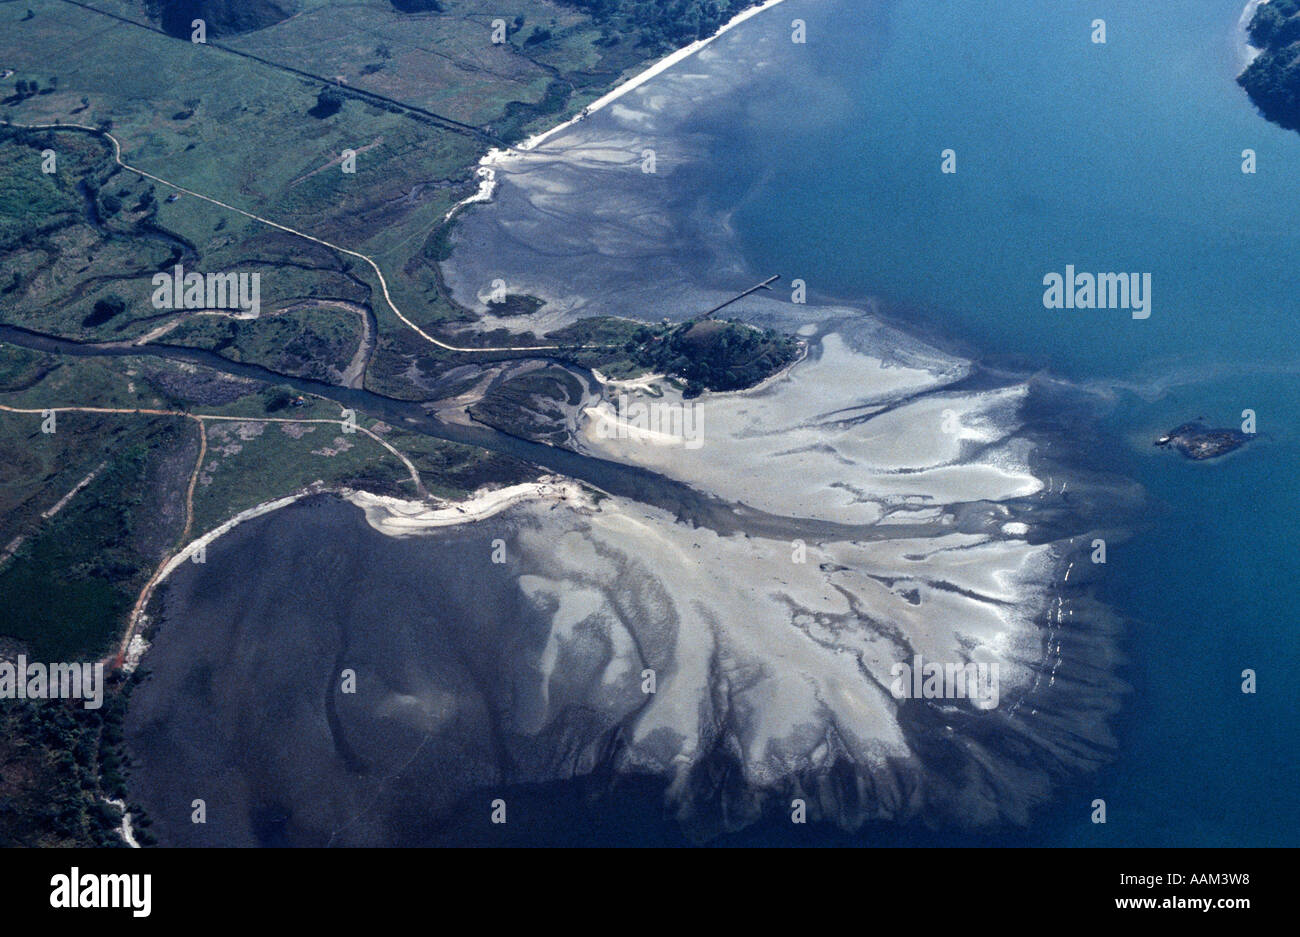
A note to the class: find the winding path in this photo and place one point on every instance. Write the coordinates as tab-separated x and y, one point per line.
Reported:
383	283
142	601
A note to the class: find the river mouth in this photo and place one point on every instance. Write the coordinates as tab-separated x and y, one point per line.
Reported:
727	622
511	652
613	477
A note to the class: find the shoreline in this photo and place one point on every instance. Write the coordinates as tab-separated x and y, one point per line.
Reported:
134	646
487	174
486	189
1246	53
642	77
393	517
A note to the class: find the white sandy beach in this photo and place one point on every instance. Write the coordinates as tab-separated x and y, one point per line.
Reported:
392	516
844	437
396	517
656	69
137	646
486	171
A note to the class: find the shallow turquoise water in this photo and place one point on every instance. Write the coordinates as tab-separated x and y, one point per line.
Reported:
1117	157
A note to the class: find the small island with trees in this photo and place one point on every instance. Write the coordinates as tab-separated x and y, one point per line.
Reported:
1199	442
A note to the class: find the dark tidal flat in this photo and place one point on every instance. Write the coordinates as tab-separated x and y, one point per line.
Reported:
244	707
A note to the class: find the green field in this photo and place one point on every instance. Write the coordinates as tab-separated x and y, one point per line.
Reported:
240	129
317	343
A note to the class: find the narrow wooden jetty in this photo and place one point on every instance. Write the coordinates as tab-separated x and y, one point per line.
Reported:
765	285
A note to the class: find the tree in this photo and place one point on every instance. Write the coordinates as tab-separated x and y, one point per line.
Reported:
104	310
328	102
277	397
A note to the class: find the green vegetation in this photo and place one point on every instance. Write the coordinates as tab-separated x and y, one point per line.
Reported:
659	24
328	103
69	586
251	462
707	355
712	355
451	470
20	368
1273	79
80	244
31	196
222	17
42	468
58	762
515	304
316	343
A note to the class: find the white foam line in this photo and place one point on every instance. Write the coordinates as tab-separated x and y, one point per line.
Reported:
1246	52
633	83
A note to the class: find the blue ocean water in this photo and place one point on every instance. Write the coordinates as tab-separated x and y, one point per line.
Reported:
1123	156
